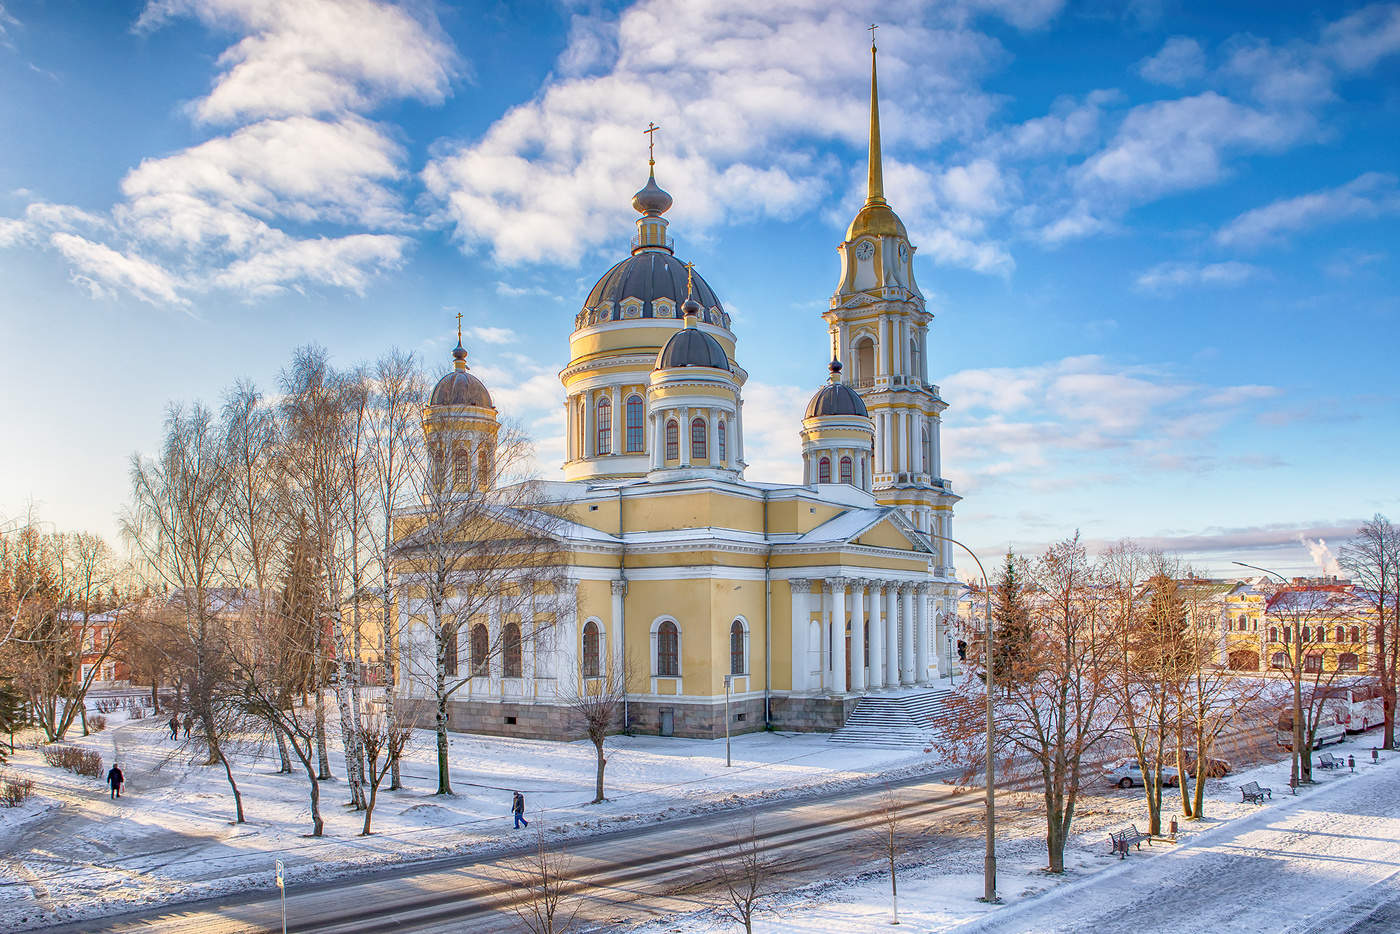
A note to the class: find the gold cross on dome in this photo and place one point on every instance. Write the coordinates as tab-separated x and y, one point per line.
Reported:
650	131
689	278
872	27
459	327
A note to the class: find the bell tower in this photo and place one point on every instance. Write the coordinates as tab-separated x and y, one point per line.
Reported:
879	332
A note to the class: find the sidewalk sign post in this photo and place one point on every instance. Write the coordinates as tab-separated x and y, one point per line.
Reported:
727	680
282	888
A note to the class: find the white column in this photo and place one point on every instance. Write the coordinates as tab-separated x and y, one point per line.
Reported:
712	430
683	435
801	590
887	441
824	650
897	336
936	442
590	425
566	664
619	440
882	366
615	635
921	634
891	634
737	440
858	636
837	631
877	637
906	630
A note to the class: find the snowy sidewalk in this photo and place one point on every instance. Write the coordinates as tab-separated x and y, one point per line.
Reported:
1295	864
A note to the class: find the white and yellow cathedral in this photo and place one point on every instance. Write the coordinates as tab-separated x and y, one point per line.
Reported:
797	598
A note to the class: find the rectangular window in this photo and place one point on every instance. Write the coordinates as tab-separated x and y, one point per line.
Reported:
604	416
634	425
697	439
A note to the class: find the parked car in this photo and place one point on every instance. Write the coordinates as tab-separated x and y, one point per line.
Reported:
1126	773
1215	768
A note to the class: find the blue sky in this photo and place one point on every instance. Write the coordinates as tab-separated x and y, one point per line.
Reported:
1159	238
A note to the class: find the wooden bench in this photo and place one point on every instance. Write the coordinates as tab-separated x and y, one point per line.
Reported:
1327	761
1120	841
1255	792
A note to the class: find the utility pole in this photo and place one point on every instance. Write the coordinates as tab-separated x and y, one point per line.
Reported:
989	861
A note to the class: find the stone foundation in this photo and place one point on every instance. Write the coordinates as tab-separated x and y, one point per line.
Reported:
691	719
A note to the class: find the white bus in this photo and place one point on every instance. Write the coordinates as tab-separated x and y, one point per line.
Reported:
1329	729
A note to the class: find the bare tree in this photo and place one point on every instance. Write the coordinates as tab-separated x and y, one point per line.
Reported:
542	879
1304	614
1061	705
178	522
257	506
394	438
1373	560
484	553
889	842
383	741
596	704
1210	699
319	419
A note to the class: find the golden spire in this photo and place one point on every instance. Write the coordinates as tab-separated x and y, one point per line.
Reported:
875	183
650	131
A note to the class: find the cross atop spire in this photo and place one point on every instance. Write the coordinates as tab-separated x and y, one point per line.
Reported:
459	353
650	131
872	27
459	327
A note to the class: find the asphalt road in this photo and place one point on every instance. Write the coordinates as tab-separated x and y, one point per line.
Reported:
627	875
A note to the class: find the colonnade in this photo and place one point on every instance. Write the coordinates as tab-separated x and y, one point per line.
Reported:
896	651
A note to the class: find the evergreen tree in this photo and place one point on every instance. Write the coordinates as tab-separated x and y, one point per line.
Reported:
1012	619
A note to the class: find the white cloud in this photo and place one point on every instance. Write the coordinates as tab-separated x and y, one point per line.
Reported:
1358	41
1169	146
490	335
347	262
1237	395
747	97
1370	195
1166	277
13	231
103	270
308	57
1280	76
1070	126
1179	61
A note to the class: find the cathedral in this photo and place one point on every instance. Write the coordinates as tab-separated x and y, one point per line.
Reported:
776	605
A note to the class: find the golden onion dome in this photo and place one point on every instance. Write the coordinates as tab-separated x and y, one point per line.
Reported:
876	219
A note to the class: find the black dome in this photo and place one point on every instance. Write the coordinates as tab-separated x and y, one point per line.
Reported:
461	388
692	347
836	399
648	275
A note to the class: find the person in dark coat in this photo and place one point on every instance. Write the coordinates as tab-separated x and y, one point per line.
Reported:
517	807
174	728
189	722
115	778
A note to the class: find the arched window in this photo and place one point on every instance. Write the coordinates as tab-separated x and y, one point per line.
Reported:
722	441
461	467
914	369
736	649
697	439
439	466
1307	633
865	362
1341	634
1348	661
1312	662
591	650
604	418
668	650
1356	634
927	451
485	469
845	470
510	650
1287	633
449	639
1256	625
673	447
824	470
481	650
1273	634
1321	633
635	414
1278	660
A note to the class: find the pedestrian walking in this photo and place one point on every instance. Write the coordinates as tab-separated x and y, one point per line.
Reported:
116	779
517	807
189	722
174	728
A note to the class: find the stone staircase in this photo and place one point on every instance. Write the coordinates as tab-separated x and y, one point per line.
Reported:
907	718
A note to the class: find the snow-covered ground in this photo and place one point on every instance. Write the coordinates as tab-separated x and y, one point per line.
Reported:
1244	868
73	853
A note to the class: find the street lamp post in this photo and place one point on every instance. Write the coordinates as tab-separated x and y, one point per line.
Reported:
989	861
727	680
1297	771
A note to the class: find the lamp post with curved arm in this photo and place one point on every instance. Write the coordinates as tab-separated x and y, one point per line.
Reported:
1297	771
989	862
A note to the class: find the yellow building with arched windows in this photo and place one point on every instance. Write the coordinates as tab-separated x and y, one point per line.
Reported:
803	597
